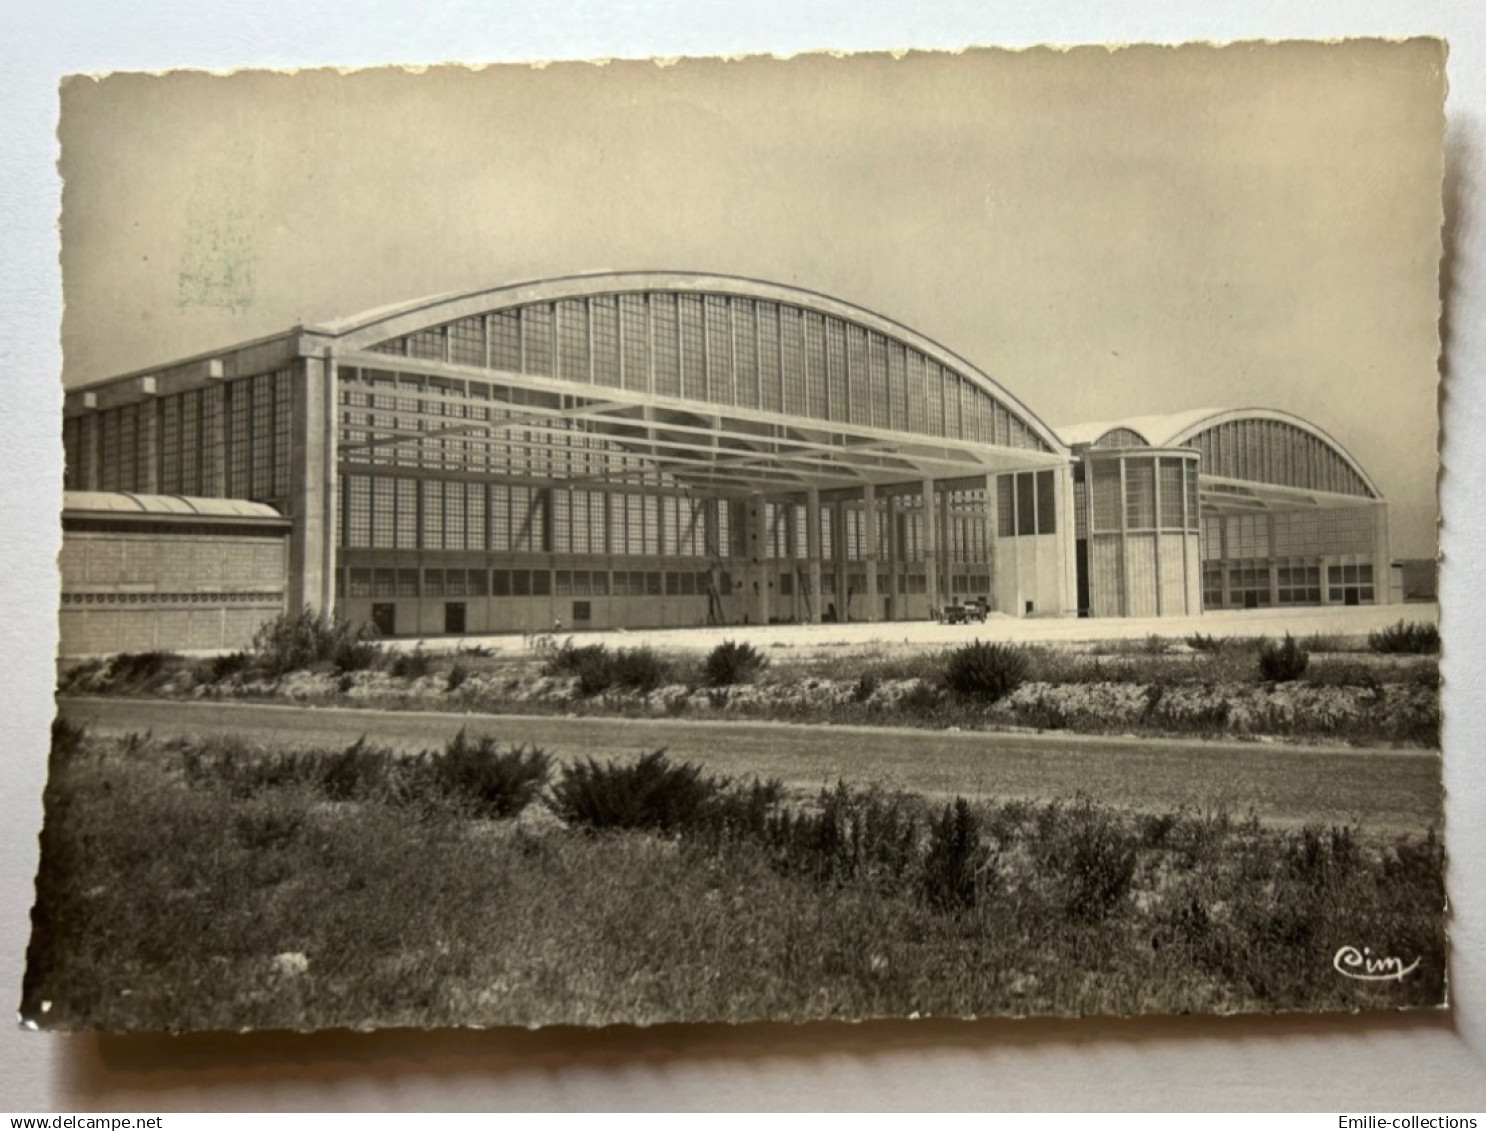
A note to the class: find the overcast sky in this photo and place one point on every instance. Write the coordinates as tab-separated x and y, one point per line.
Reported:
1106	234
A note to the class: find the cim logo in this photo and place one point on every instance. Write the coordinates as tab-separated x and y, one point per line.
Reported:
1350	962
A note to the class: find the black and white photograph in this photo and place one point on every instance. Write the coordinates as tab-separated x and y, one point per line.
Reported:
841	537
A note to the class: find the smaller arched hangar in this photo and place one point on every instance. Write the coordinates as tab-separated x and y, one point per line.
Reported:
1283	514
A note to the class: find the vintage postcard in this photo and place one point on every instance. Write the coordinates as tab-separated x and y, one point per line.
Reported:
718	540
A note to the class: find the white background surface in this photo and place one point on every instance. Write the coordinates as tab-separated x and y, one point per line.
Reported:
1403	1063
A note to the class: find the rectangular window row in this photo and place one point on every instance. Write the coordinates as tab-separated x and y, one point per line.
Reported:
372	582
233	440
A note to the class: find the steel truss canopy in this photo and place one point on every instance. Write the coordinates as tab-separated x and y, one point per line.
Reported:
727	385
724	452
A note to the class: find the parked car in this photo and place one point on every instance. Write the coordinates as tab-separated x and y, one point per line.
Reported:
963	613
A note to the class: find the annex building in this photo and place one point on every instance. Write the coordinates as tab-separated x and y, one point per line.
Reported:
655	449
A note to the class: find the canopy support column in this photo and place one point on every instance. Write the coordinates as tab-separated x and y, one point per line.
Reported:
812	552
931	548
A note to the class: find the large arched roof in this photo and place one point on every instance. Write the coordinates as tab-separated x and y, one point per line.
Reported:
899	379
1278	448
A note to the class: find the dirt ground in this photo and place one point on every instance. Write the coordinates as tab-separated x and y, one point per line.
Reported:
916	635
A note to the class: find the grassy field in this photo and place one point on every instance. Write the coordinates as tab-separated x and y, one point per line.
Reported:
197	884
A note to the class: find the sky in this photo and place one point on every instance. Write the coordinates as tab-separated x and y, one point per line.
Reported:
1106	233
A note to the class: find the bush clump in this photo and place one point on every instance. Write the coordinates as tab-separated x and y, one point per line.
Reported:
1410	637
591	663
650	793
1204	642
597	669
309	638
67	739
956	863
641	669
1095	857
985	670
1282	663
143	672
476	776
852	835
732	663
471	777
411	665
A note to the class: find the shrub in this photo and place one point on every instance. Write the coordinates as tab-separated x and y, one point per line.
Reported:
650	793
956	863
853	835
470	776
1411	637
1283	662
641	669
865	687
591	663
1201	642
920	699
140	671
457	676
1156	828
985	671
411	665
1323	857
67	740
226	762
1096	860
225	666
740	813
309	639
476	776
359	772
730	663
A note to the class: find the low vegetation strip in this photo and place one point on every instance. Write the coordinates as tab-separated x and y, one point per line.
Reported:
208	885
1311	691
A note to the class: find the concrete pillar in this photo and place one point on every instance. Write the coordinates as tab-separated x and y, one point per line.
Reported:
147	441
312	482
812	552
214	438
869	549
839	556
946	547
1066	525
1382	555
893	564
756	544
1274	569
1222	520
92	437
1161	609
931	547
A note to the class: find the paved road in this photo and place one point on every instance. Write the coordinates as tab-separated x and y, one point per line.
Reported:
1286	784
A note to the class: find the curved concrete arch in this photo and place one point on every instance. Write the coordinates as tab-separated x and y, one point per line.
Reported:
1192	429
365	330
1138	439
